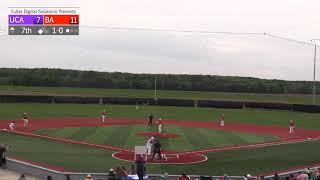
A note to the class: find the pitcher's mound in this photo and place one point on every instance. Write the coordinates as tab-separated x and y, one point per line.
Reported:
158	135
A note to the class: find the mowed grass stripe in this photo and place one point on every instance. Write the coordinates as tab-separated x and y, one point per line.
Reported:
84	132
97	134
101	134
181	143
189	139
216	138
195	137
120	136
234	138
59	132
135	140
250	138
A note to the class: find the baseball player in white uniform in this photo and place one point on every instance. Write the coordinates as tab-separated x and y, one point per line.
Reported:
222	120
160	125
11	126
149	145
25	120
291	127
104	116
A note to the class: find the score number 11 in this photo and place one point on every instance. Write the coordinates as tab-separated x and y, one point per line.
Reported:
74	20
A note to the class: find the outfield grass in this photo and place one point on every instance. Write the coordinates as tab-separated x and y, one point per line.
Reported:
282	98
190	138
251	116
84	159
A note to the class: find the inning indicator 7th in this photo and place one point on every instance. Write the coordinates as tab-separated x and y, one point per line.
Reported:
43	21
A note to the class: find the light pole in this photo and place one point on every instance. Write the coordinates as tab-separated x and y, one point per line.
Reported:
314	71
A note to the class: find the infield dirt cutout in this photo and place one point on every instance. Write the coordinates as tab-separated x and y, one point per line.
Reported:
188	157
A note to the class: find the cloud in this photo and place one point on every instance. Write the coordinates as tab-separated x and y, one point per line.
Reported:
172	52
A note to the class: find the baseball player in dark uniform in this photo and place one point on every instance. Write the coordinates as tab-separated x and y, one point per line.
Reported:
150	120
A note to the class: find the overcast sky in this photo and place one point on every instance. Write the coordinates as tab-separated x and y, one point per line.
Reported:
171	52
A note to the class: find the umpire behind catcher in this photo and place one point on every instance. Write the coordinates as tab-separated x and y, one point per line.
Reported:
157	150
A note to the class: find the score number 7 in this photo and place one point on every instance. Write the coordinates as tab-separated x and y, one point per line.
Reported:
38	19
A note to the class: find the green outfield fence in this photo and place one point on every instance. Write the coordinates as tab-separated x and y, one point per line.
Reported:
160	102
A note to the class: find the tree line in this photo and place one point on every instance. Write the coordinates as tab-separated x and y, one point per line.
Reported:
92	79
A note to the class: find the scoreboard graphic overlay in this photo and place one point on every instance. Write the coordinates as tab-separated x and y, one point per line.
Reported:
43	20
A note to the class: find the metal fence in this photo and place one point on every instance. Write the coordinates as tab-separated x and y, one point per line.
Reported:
42	173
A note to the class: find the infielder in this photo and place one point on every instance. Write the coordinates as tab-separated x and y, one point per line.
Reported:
104	116
25	120
291	127
150	145
11	126
222	120
150	120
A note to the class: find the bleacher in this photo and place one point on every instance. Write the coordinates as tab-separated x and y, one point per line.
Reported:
12	175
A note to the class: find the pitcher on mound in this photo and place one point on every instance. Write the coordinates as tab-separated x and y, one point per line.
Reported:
25	120
160	125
